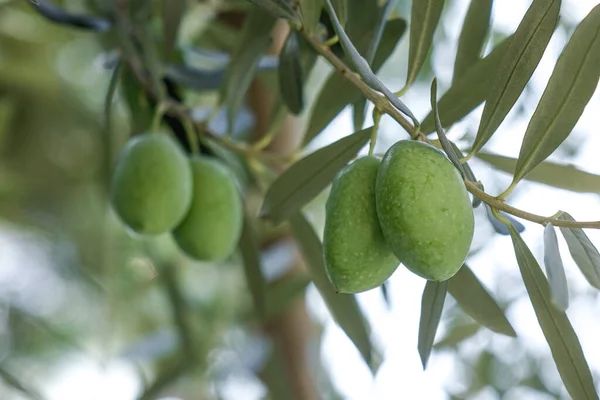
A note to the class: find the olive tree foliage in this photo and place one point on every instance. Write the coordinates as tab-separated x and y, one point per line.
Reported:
180	66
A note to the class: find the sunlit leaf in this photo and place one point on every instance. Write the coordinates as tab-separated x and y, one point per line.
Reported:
311	11
472	36
337	92
583	251
516	67
251	261
343	307
424	18
305	179
560	335
254	40
280	295
571	86
432	304
549	173
172	14
467	92
290	74
477	302
498	226
56	14
277	8
555	269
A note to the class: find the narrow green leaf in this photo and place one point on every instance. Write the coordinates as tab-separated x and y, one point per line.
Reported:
277	8
291	81
172	15
304	180
343	307
457	335
520	60
571	86
311	11
255	39
108	139
560	335
432	304
477	302
467	92
362	21
424	18
341	9
251	260
282	294
472	36
555	269
583	251
558	175
140	111
337	92
498	226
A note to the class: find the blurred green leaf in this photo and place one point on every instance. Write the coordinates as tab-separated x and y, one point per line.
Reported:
432	304
472	36
251	260
19	385
467	92
516	67
306	178
108	138
549	173
281	294
291	81
362	22
583	251
343	307
555	269
277	8
560	335
424	18
56	14
311	11
140	111
341	9
337	92
254	40
457	334
172	14
477	302
571	86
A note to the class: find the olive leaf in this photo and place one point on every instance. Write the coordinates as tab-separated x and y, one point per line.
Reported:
291	79
305	179
560	335
311	12
432	304
337	92
516	67
472	36
248	246
172	14
255	39
56	14
549	173
108	138
277	8
281	294
583	251
457	335
467	92
424	18
571	86
498	226
555	269
343	307
195	78
477	302
469	174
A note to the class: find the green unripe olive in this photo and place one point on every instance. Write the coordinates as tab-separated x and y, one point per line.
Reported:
151	188
212	227
424	210
356	255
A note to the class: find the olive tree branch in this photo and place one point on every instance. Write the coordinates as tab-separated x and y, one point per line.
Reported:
384	106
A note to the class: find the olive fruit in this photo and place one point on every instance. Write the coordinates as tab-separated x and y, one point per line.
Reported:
212	227
356	255
151	188
424	210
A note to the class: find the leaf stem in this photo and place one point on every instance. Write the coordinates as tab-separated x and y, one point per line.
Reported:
376	118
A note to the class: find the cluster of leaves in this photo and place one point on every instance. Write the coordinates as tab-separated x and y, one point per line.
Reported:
365	34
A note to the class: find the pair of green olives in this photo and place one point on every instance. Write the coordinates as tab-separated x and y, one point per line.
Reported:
157	189
411	207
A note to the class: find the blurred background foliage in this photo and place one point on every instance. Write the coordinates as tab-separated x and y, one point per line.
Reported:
74	283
